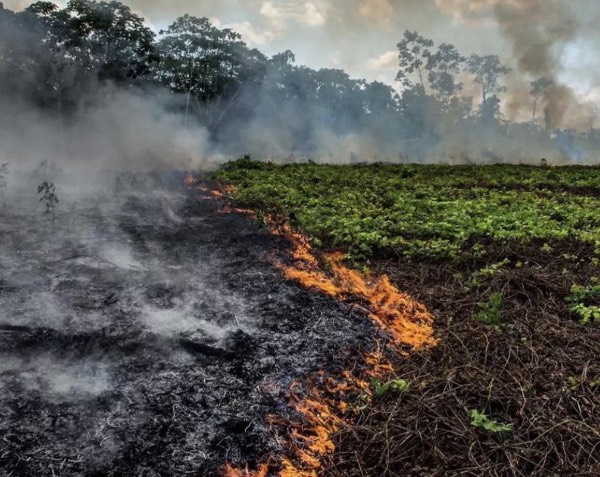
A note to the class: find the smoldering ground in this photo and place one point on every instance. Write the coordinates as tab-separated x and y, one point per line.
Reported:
146	332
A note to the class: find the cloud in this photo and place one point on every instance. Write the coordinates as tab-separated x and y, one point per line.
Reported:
378	11
385	61
313	15
280	14
251	34
469	11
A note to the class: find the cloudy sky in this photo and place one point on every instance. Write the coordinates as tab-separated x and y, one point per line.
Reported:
360	35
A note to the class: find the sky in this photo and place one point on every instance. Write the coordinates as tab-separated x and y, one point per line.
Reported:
359	36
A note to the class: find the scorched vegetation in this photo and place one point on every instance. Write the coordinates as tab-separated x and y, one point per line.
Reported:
506	258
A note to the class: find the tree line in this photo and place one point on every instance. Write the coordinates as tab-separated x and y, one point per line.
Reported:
62	60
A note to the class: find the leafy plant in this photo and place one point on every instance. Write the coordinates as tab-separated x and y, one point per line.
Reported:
49	198
481	421
487	272
585	302
395	385
490	312
436	212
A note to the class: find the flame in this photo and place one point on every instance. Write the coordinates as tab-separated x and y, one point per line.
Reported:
189	181
405	320
226	209
325	403
231	471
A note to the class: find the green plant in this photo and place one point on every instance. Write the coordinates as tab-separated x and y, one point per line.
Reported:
49	197
490	312
487	272
481	421
380	388
584	301
434	212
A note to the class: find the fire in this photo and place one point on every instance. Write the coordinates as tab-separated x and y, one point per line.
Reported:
231	471
326	402
189	181
235	210
405	320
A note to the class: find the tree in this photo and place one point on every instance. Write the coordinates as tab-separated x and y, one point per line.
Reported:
106	38
205	63
443	65
489	110
115	41
339	98
413	52
538	89
379	98
488	70
21	52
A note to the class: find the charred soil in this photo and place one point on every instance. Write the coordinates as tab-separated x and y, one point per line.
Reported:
150	334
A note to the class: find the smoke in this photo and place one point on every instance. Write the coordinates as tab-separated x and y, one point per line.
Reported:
538	32
123	130
133	128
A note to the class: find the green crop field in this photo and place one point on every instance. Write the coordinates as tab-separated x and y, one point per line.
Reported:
417	211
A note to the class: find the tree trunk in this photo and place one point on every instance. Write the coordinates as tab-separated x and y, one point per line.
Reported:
187	106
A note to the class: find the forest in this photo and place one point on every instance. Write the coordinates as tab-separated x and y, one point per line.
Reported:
63	62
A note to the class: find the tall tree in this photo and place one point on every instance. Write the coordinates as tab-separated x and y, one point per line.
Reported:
443	66
206	63
488	71
104	37
339	98
537	91
413	52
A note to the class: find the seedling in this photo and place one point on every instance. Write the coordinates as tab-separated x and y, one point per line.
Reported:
481	421
49	197
490	312
395	385
584	302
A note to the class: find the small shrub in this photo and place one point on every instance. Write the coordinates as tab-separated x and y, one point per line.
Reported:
49	197
490	313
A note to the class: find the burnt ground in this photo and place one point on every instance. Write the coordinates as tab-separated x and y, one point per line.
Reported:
538	370
147	334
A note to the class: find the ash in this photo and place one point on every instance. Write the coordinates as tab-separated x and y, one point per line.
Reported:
145	333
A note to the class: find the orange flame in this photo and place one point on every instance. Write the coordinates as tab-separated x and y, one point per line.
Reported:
226	209
325	402
231	471
405	320
189	181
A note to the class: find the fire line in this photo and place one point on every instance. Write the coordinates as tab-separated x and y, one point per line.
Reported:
324	402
